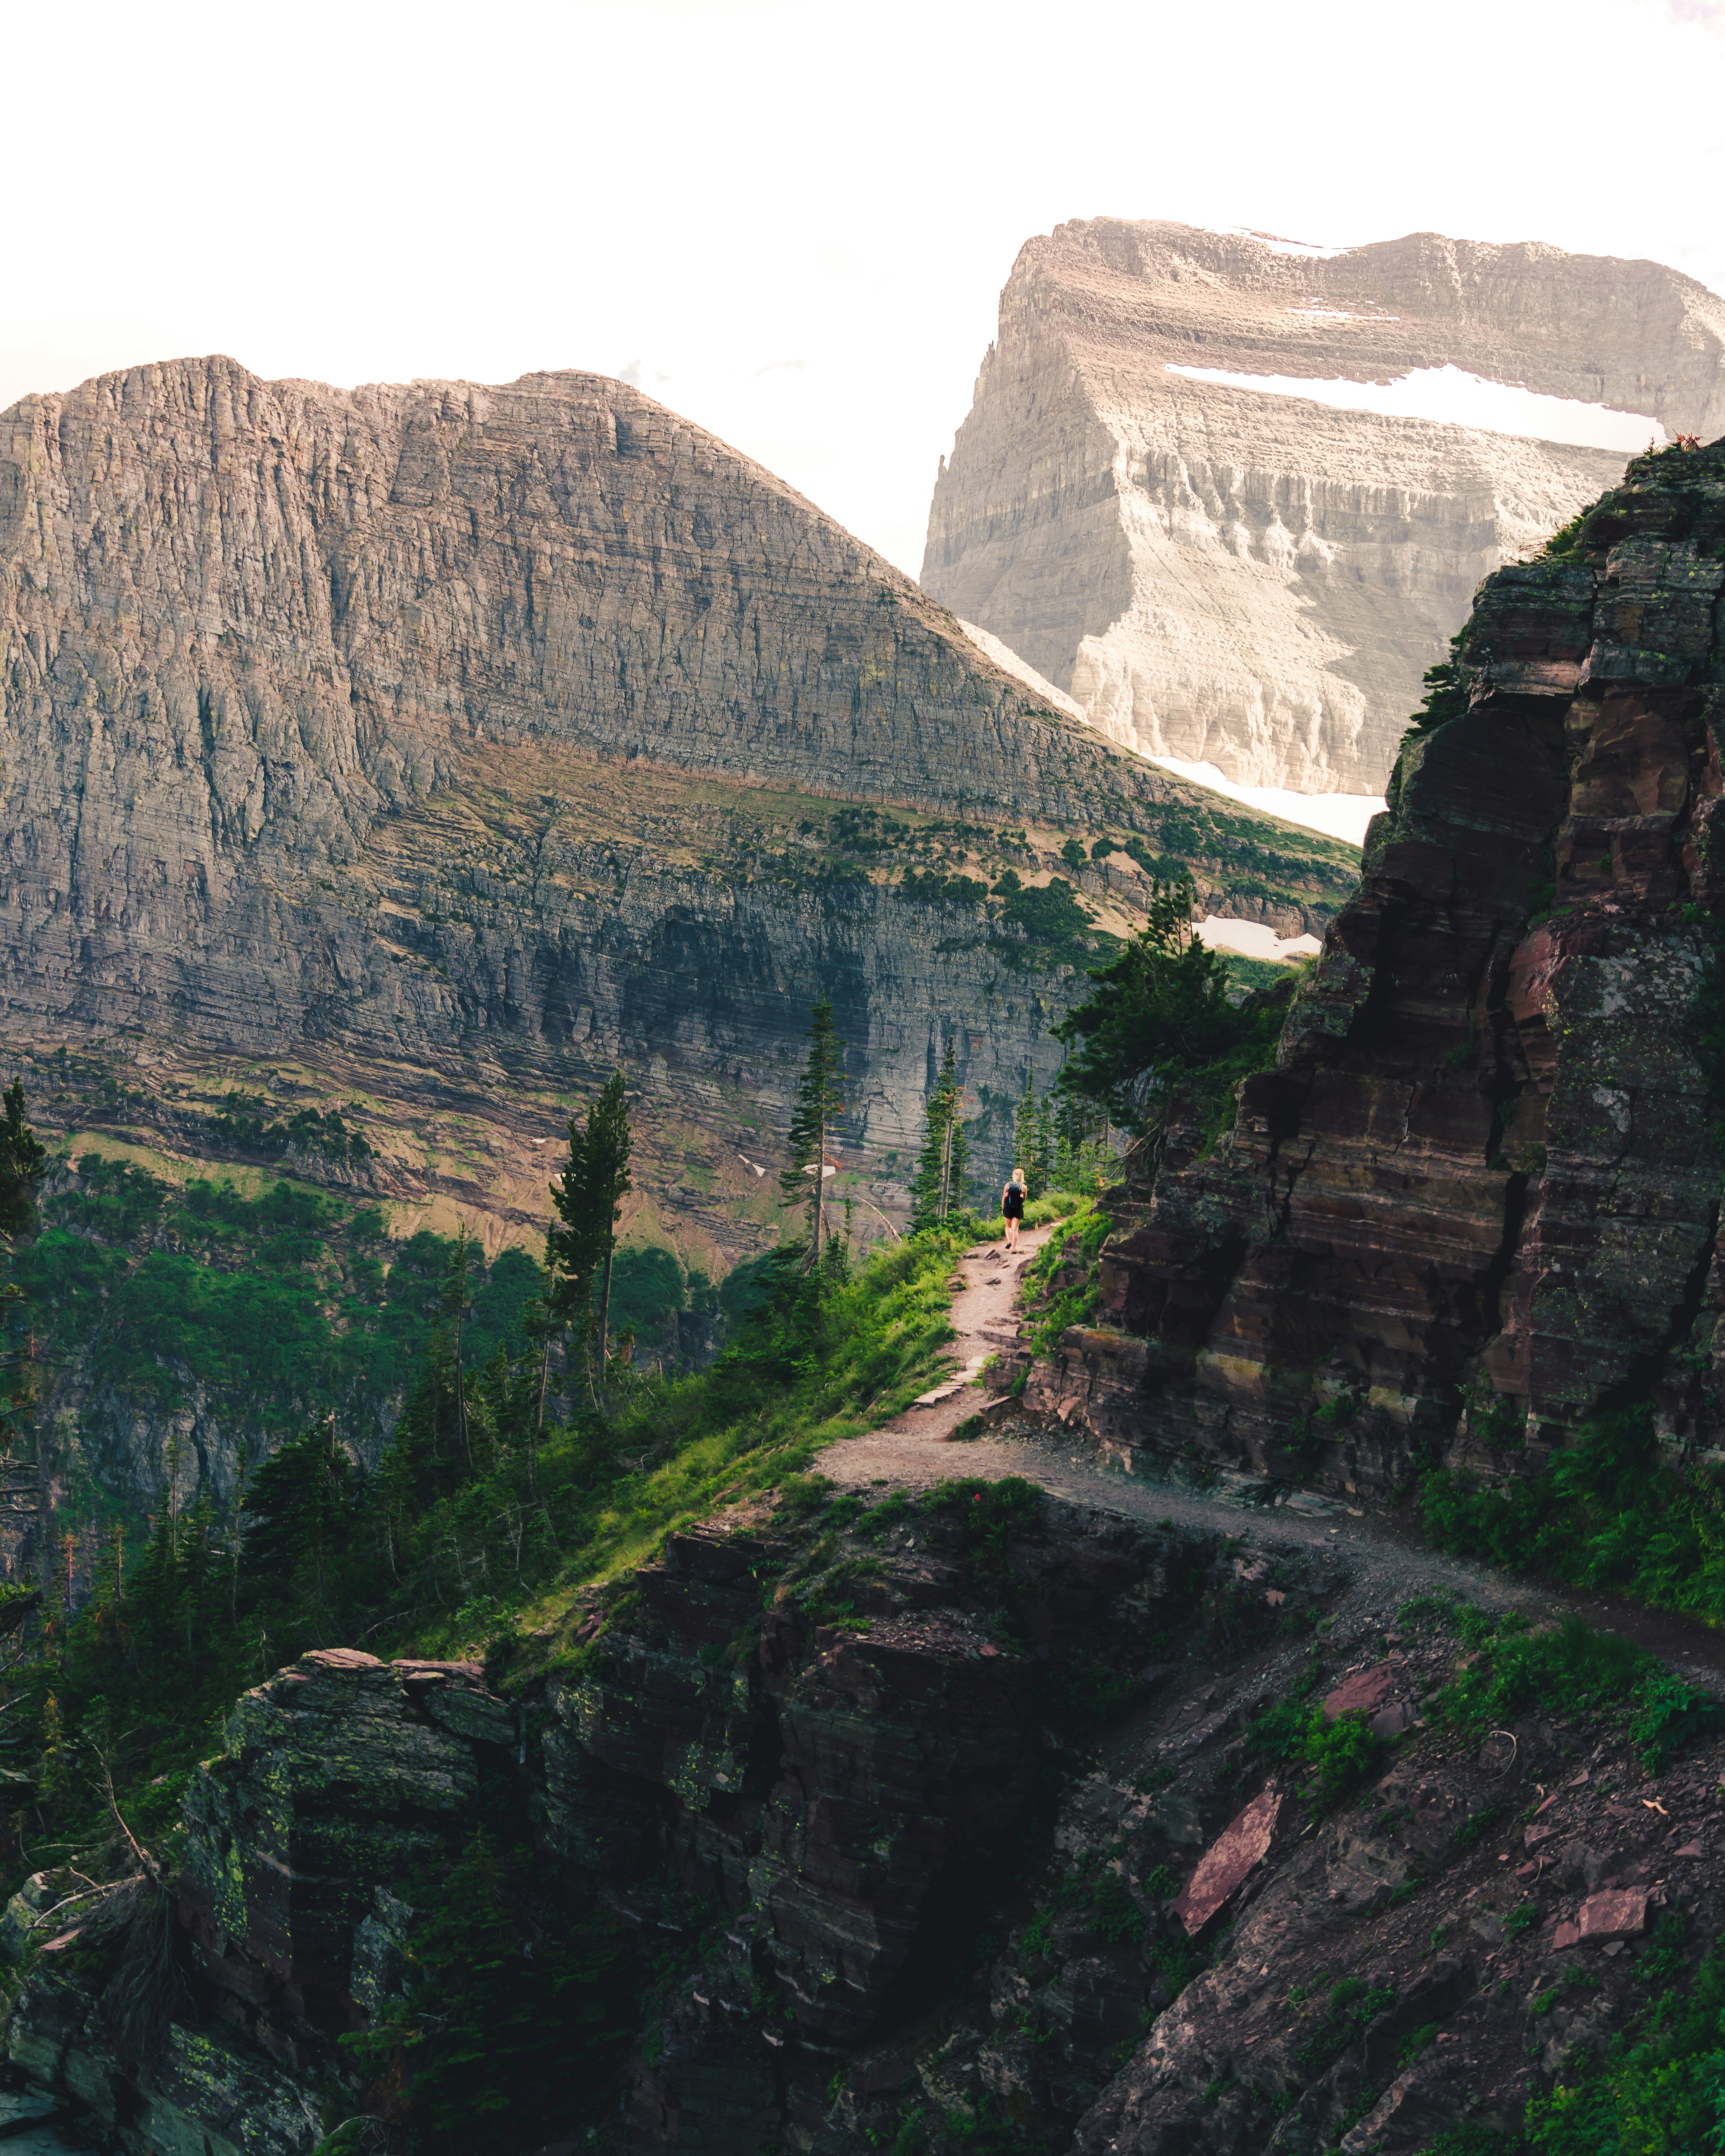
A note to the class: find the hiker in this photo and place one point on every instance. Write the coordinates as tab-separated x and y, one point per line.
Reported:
1011	1206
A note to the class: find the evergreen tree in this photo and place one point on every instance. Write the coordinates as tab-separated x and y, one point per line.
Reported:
1045	1141
1159	1041
820	1106
1032	1138
300	1521
452	1312
24	1162
943	1170
588	1197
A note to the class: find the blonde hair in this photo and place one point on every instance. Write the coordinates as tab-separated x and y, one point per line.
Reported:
1018	1176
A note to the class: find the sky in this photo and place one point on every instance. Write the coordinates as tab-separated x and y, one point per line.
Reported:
788	220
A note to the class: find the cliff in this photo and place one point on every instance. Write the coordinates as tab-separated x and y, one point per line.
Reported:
463	740
1476	1202
974	1817
1252	578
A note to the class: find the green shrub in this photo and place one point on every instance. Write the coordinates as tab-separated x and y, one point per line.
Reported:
1074	1305
1659	2089
1568	1669
1353	2006
991	1514
1603	1514
1341	1753
1474	1828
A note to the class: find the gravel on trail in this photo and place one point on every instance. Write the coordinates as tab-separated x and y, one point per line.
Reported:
1383	1564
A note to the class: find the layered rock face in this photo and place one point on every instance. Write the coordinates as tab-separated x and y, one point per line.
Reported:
846	1800
306	695
1480	1194
1252	578
903	1875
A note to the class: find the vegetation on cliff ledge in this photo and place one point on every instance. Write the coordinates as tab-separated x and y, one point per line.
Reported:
1159	1040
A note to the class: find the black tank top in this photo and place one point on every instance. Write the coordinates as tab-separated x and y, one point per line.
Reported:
1012	1203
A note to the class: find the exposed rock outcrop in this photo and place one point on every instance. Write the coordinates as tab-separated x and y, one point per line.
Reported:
909	1875
848	1800
1481	1190
1252	578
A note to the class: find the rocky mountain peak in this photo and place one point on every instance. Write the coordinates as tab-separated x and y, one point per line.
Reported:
1259	580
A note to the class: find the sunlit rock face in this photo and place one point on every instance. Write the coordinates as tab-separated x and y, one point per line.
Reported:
1259	580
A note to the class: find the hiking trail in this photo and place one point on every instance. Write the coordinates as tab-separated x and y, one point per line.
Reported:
1376	1544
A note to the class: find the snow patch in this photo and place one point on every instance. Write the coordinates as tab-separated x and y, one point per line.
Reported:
1337	815
1453	397
1277	245
1253	939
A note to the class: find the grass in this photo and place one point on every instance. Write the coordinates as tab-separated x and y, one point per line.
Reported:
1604	1514
1052	1205
1088	1228
1569	1669
763	1415
1353	2005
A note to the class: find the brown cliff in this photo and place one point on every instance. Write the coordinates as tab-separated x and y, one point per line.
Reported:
1486	1172
1254	578
908	1876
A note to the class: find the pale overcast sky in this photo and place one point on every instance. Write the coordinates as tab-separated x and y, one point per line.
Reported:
787	219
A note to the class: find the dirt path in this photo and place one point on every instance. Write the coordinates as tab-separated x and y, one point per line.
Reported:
1383	1562
985	1317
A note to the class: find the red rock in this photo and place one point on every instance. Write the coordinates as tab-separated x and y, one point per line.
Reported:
1362	1693
1443	1030
1565	1936
1227	1861
1618	1914
1690	1848
1535	1835
1390	1721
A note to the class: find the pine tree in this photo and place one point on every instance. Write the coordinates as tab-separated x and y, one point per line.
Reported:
1032	1139
943	1170
299	1522
820	1104
452	1311
588	1197
1045	1142
24	1162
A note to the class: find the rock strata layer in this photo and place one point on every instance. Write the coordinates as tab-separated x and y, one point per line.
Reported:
1477	1201
1260	580
1022	1840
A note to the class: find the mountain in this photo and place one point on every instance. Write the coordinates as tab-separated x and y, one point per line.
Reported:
695	1799
1255	579
382	769
1476	1205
